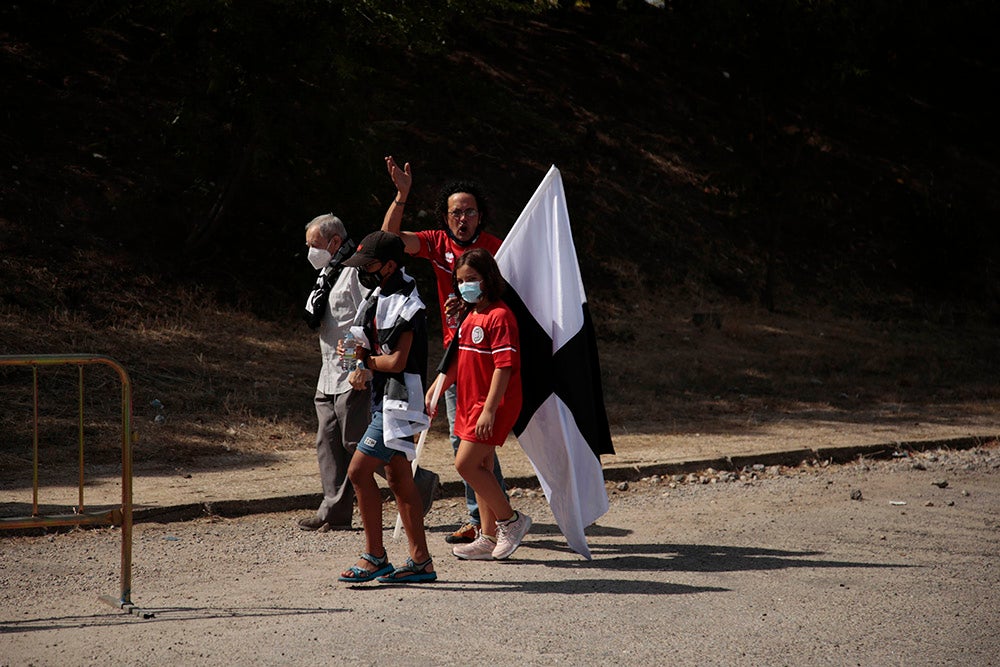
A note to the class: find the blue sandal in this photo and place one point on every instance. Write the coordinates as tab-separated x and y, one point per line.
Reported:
411	573
359	575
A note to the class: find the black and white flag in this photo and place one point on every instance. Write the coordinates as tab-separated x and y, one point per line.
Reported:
563	427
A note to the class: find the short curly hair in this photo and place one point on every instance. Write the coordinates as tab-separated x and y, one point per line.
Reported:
474	189
483	263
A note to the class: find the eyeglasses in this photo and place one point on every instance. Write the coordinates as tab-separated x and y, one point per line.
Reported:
458	213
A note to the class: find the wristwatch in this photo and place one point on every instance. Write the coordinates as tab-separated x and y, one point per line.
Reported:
359	365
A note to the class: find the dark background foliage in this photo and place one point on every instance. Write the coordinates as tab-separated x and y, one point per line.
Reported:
777	152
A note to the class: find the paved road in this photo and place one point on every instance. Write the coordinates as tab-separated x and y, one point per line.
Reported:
786	569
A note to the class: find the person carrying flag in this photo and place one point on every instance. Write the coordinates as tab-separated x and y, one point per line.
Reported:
463	211
487	372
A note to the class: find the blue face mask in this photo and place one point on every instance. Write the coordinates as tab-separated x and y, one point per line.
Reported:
470	291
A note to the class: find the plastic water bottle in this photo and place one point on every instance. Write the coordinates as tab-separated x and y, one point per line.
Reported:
350	353
451	320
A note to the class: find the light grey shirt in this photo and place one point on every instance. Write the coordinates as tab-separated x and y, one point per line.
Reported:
346	296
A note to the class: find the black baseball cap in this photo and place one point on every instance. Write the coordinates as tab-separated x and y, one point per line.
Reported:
378	246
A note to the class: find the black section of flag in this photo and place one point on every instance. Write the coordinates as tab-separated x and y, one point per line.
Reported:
452	349
535	348
573	373
577	375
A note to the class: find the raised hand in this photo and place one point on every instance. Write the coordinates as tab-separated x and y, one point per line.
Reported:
401	178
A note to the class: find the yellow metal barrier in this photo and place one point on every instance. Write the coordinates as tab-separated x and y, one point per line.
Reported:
120	516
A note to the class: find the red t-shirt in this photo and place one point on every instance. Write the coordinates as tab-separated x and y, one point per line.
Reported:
487	341
437	246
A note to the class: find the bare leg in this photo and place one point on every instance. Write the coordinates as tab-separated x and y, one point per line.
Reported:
488	518
362	475
411	510
474	463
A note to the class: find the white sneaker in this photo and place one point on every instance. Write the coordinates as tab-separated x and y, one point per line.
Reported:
510	534
480	548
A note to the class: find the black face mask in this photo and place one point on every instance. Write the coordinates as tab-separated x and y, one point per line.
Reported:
370	280
463	244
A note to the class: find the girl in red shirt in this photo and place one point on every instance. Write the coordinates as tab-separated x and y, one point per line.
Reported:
488	374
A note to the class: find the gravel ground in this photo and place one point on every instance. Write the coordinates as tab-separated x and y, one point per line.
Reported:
776	566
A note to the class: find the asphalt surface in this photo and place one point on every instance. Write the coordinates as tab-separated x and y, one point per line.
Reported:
879	561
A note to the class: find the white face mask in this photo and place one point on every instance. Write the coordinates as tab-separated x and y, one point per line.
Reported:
319	257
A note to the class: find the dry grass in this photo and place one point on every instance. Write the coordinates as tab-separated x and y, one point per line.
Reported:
229	382
742	367
224	379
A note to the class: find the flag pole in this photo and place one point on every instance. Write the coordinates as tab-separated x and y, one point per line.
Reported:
420	450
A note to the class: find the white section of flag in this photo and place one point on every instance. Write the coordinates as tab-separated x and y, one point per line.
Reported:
538	259
569	472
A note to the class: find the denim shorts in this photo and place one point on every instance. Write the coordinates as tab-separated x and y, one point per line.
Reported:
373	441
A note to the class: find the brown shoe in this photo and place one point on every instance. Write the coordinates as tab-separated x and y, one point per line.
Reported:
463	535
316	523
312	523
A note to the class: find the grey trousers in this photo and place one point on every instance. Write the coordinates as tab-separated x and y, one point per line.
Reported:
342	421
